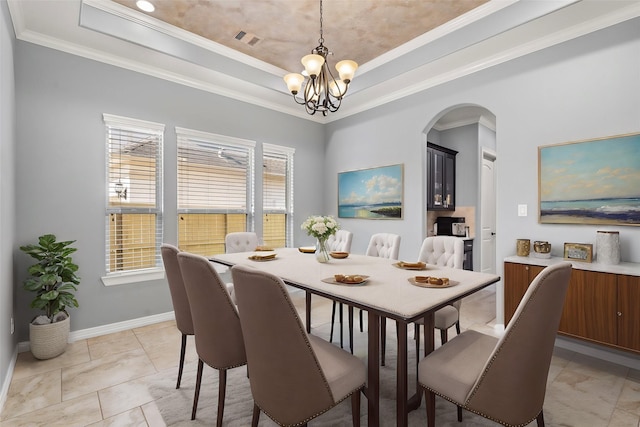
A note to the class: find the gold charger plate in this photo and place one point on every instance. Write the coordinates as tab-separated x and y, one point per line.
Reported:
339	255
307	249
410	265
263	249
269	257
413	281
333	281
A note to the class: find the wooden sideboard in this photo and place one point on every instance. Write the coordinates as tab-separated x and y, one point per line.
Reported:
602	303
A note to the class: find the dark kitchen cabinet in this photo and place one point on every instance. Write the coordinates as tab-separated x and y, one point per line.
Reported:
441	178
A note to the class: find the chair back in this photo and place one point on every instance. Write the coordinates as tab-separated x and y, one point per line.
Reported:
286	380
218	335
526	348
340	241
241	241
384	245
179	298
444	251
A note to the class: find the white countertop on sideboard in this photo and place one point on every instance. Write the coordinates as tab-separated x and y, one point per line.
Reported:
628	268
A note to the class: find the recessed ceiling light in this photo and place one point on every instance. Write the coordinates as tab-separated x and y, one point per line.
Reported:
145	6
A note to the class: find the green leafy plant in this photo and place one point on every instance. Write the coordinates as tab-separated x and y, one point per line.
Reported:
53	277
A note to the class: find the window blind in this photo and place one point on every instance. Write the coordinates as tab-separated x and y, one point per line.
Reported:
215	189
277	195
134	194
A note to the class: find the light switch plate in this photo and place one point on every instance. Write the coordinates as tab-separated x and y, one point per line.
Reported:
522	210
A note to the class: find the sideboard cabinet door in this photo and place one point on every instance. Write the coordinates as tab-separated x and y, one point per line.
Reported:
590	307
517	278
629	312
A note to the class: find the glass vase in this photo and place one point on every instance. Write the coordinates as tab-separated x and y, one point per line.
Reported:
322	254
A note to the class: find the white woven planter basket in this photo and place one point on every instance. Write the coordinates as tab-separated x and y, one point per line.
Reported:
49	341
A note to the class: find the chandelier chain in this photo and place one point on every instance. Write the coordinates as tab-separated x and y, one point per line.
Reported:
321	39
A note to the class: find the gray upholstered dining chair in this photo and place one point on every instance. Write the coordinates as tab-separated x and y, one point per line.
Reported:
502	379
443	251
217	330
294	376
179	299
383	245
240	241
339	242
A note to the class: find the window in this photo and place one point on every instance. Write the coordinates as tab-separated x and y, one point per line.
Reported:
277	196
215	189
134	194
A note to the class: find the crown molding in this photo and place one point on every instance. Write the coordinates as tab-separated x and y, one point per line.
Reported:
406	84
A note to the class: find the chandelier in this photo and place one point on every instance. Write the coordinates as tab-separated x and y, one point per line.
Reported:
322	92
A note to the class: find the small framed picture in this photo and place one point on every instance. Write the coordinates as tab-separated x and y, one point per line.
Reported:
582	252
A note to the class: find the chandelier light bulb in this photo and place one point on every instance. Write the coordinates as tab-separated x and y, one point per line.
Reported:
294	82
312	64
338	88
346	69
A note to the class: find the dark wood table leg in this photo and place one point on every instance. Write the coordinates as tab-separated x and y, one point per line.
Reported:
308	310
402	412
373	374
350	314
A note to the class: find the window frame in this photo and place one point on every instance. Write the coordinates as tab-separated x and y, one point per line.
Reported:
112	278
184	135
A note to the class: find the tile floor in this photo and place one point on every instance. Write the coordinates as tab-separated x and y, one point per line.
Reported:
102	381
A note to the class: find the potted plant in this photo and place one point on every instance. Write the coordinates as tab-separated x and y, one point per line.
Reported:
53	279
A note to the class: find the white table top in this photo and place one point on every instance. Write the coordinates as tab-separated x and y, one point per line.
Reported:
387	288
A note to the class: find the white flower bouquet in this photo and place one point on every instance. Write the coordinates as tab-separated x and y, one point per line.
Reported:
320	227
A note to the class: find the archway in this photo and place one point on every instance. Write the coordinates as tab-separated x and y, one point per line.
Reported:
470	130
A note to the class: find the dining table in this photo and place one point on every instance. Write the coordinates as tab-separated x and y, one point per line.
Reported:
388	289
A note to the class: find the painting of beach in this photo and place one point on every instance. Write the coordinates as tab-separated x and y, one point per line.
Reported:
374	193
590	182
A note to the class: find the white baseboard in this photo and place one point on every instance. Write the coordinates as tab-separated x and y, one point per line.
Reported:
110	328
4	392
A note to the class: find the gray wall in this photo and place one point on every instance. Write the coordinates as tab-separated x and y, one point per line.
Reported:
7	196
581	89
61	173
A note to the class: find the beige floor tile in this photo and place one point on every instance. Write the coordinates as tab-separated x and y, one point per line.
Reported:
629	400
105	372
27	365
32	393
110	344
156	326
132	418
123	397
78	412
624	419
152	415
163	347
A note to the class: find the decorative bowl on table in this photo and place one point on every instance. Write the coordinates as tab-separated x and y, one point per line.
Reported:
541	249
339	255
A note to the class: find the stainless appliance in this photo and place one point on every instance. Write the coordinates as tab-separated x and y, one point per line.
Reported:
458	229
445	225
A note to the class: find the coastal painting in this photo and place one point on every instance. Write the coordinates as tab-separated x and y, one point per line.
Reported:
590	182
374	193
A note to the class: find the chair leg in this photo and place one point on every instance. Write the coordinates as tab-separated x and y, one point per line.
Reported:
430	400
459	414
458	327
416	336
444	336
350	314
383	339
222	388
256	415
540	419
361	322
333	319
355	408
341	328
183	349
197	392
